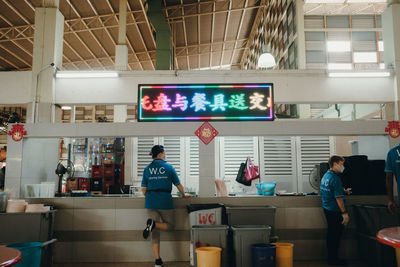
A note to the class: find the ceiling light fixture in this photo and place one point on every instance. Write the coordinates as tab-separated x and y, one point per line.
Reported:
66	108
87	74
266	59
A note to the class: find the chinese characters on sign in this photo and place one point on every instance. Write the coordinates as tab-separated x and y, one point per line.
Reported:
206	133
393	129
205	102
17	132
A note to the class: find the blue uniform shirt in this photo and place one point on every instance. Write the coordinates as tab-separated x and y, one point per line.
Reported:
331	188
159	176
393	164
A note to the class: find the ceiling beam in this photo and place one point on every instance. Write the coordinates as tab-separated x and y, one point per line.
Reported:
225	33
148	28
238	32
173	19
185	36
91	34
253	32
212	34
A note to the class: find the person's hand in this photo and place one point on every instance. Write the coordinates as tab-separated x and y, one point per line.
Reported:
392	207
347	191
186	195
346	218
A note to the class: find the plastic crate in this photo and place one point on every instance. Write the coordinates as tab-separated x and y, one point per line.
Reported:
243	237
26	227
372	218
108	170
84	184
264	215
96	184
209	236
97	171
374	253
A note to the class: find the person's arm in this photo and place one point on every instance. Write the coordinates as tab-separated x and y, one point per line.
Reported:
144	189
182	190
342	208
389	189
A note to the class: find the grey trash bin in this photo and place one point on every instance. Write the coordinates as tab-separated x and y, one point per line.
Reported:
249	215
209	236
243	237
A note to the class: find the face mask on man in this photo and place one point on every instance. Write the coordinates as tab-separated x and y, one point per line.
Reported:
340	168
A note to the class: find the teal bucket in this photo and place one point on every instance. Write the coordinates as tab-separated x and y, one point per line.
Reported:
31	253
266	189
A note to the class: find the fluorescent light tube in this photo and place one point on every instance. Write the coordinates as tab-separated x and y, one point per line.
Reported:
66	108
358	74
87	74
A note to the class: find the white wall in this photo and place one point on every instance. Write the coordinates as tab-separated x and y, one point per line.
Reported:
375	147
15	87
294	86
39	161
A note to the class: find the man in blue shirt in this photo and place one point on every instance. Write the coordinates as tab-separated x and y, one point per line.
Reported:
392	167
332	194
157	181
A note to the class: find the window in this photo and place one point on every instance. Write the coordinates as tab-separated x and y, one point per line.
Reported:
365	57
338	46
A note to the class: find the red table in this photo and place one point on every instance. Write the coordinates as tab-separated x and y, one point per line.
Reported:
391	237
9	256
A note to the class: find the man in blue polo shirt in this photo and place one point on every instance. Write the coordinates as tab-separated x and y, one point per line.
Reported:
157	181
332	194
392	168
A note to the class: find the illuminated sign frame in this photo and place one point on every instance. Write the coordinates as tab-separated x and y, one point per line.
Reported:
192	102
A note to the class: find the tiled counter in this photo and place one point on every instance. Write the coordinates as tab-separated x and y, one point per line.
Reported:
109	229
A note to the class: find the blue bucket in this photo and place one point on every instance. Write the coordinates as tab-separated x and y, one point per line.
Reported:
266	189
263	255
31	253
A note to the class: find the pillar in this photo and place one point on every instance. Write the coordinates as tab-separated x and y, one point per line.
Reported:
47	57
391	39
207	161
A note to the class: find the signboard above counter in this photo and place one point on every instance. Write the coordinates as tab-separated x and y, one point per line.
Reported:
206	102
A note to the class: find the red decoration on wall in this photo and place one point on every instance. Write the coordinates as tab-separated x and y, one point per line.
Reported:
393	129
206	133
17	132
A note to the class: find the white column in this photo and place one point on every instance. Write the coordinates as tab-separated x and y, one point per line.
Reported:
120	113
47	55
207	159
14	167
121	49
391	39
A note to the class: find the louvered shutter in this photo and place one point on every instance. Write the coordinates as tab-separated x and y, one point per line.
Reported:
278	161
192	164
144	145
234	151
311	150
172	146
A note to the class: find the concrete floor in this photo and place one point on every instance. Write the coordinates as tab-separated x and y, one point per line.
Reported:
186	264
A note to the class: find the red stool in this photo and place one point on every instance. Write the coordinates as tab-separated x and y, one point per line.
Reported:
391	237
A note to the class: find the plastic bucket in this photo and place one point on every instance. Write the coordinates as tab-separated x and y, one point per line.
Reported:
208	257
284	254
266	189
263	255
31	253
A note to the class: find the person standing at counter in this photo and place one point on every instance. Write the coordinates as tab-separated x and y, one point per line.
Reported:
392	168
3	157
333	203
157	181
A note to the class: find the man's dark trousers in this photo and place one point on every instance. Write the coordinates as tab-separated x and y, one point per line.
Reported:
335	230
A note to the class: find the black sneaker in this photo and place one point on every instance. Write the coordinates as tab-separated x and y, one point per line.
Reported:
150	224
159	263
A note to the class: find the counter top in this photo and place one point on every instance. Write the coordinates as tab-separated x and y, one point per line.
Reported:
126	202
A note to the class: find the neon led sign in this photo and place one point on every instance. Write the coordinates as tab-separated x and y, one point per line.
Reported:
206	102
